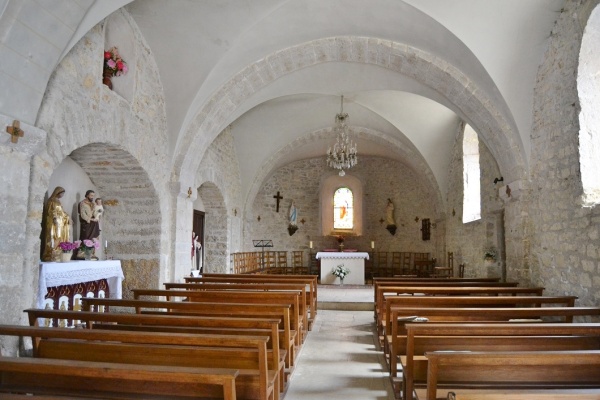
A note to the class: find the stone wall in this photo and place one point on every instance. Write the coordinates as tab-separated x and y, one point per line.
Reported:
120	143
565	252
469	241
219	189
381	178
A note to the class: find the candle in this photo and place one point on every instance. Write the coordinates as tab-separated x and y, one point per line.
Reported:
310	244
106	244
372	244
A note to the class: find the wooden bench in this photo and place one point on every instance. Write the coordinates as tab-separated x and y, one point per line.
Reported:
257	379
49	379
511	371
381	309
298	314
176	324
305	295
524	394
309	280
422	338
452	288
212	310
468	301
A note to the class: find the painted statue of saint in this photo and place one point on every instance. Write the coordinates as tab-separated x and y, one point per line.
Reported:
57	226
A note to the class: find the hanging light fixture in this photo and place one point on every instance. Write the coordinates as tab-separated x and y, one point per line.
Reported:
343	153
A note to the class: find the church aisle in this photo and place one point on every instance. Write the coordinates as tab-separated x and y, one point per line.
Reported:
340	360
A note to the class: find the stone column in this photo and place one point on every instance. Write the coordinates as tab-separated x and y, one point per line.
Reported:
19	229
518	231
183	212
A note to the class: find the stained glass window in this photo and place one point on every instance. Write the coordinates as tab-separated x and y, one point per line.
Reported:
343	209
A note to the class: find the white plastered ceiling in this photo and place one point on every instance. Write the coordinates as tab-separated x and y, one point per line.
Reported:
199	45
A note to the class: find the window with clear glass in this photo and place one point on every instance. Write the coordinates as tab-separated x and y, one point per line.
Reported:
343	209
471	176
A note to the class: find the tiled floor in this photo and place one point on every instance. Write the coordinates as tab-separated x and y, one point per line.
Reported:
339	359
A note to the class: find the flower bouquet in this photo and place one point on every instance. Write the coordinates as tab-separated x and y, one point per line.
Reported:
87	247
113	66
340	271
67	247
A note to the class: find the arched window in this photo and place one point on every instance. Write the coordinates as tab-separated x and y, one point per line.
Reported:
471	176
343	209
588	88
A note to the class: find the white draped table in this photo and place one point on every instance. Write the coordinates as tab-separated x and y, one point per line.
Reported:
354	261
53	274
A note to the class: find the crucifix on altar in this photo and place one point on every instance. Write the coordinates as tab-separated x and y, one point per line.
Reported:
16	132
277	197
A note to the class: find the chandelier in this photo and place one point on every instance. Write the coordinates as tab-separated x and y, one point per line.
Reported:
343	154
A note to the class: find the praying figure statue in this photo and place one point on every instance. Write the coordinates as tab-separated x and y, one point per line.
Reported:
293	214
56	226
389	217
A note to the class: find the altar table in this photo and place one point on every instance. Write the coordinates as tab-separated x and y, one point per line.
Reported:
61	284
354	261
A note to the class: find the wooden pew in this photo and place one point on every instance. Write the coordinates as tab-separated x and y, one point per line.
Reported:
511	370
310	280
175	324
524	394
448	291
421	338
468	301
211	310
298	312
453	288
50	379
257	378
306	294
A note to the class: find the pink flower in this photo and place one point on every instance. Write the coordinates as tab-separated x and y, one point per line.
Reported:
120	65
88	243
111	63
107	55
125	68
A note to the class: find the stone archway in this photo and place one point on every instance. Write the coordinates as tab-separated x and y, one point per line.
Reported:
132	220
216	246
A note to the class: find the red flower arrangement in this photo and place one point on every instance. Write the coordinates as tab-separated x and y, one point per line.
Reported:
113	63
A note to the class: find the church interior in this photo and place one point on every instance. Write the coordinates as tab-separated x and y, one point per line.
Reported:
465	131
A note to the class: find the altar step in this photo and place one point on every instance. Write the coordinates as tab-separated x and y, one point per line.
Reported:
345	306
345	298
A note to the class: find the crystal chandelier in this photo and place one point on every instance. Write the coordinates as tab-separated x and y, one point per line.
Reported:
343	154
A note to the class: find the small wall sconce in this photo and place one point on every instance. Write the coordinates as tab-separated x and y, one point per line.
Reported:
496	180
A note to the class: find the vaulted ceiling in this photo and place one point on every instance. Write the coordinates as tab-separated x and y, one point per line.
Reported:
200	45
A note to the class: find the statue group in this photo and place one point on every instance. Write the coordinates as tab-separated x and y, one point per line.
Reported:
56	224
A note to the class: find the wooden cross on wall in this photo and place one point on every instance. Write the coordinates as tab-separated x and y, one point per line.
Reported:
277	197
15	131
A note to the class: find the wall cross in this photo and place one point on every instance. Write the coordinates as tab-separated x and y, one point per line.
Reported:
277	197
15	131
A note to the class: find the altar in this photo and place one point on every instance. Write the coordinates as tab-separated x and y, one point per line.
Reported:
62	284
354	261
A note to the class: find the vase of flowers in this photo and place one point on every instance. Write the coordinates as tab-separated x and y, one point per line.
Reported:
340	271
113	66
67	250
87	248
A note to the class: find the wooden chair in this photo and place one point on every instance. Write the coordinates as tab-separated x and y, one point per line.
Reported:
448	270
461	271
396	267
298	265
282	262
382	264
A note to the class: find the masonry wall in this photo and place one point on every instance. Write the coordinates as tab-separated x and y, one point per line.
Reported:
119	139
469	241
381	178
565	248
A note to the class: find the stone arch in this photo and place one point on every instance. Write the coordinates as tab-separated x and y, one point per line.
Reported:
489	118
216	245
588	90
132	221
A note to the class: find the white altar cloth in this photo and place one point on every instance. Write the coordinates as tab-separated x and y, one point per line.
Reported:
57	274
354	261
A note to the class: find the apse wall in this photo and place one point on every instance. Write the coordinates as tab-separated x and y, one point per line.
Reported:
381	179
